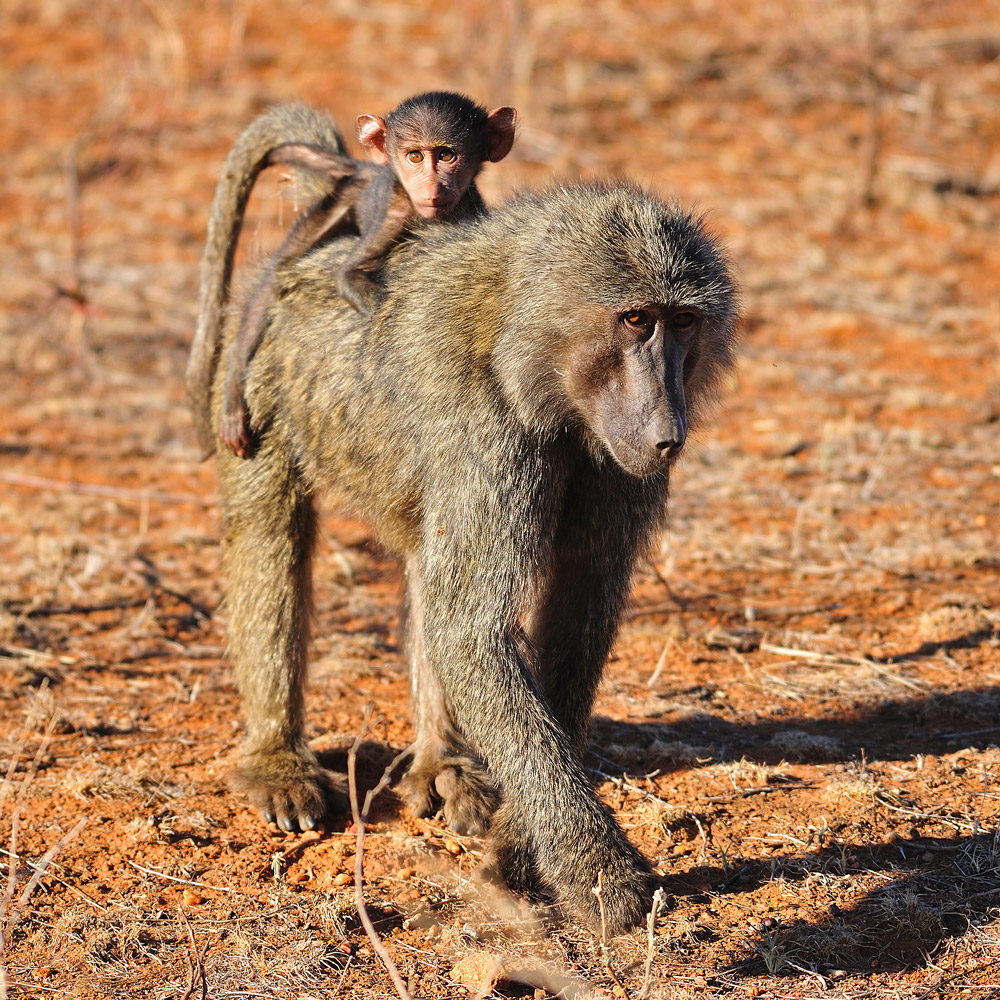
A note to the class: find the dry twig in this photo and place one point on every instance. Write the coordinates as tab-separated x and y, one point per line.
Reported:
100	489
360	818
873	101
183	881
598	891
196	961
651	931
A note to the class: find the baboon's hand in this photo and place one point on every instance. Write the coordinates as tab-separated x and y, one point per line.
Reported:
626	880
290	789
234	431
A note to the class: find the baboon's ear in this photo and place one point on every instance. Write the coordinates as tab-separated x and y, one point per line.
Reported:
500	124
371	135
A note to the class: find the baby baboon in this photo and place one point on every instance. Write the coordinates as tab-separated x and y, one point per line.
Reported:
428	152
506	422
259	145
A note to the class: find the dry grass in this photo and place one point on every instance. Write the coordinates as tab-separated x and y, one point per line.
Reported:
23	875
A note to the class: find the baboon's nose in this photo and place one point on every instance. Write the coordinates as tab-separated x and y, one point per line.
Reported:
669	448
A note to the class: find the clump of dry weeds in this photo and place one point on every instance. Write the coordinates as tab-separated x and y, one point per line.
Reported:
13	902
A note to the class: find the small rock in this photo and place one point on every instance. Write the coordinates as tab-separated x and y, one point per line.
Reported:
478	972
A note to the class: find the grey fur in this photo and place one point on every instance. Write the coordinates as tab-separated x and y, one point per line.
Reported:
502	427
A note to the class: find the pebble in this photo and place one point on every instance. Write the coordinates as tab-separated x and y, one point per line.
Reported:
479	972
191	898
342	878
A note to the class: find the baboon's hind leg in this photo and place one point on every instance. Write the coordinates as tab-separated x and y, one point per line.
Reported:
270	532
444	773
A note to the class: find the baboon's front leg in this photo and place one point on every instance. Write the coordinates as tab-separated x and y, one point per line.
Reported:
551	831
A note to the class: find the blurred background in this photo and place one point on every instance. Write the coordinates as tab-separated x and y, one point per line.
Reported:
850	151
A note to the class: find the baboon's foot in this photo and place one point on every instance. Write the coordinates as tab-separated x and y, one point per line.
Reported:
511	860
513	865
458	786
290	788
234	430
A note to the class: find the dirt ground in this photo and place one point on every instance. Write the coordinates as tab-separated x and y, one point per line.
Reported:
799	724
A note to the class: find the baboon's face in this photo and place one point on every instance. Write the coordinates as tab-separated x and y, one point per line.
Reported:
626	376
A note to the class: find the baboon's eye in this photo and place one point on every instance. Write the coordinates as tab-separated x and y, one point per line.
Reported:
415	156
684	322
638	319
446	154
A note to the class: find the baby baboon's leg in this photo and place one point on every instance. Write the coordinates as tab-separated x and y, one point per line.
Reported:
320	220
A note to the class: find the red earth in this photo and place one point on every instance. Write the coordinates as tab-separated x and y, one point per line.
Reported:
799	723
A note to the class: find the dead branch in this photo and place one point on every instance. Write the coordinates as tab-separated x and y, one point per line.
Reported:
360	818
195	959
651	931
873	101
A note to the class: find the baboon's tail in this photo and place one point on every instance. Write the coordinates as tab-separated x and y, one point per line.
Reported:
286	123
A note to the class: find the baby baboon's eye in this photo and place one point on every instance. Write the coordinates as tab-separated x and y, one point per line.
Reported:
446	154
415	156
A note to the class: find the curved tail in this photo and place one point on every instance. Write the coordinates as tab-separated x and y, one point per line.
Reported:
281	126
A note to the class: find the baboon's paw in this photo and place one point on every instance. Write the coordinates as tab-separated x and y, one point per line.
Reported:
469	797
457	786
626	881
290	789
626	888
513	865
416	789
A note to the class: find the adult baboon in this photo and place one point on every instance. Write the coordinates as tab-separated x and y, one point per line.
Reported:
506	422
